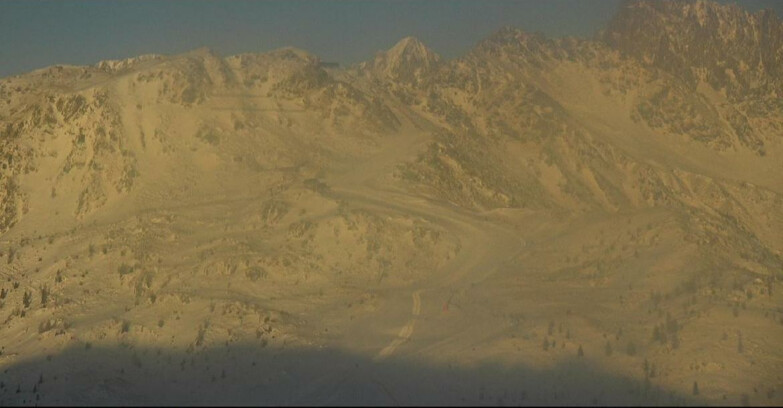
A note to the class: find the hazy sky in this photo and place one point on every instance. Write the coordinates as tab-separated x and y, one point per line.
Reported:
35	34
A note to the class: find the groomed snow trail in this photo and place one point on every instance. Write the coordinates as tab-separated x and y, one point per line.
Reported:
406	331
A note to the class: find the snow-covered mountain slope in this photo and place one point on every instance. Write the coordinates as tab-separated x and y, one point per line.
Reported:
601	215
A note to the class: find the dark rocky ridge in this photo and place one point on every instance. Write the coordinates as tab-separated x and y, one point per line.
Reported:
723	45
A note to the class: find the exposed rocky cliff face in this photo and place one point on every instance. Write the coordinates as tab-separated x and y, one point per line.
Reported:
722	45
736	54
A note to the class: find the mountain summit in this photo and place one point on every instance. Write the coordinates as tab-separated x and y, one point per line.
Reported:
408	61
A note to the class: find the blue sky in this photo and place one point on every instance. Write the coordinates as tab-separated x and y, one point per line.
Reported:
35	34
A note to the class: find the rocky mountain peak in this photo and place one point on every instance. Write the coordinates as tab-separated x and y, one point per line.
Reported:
292	54
513	43
113	66
408	61
411	50
512	36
